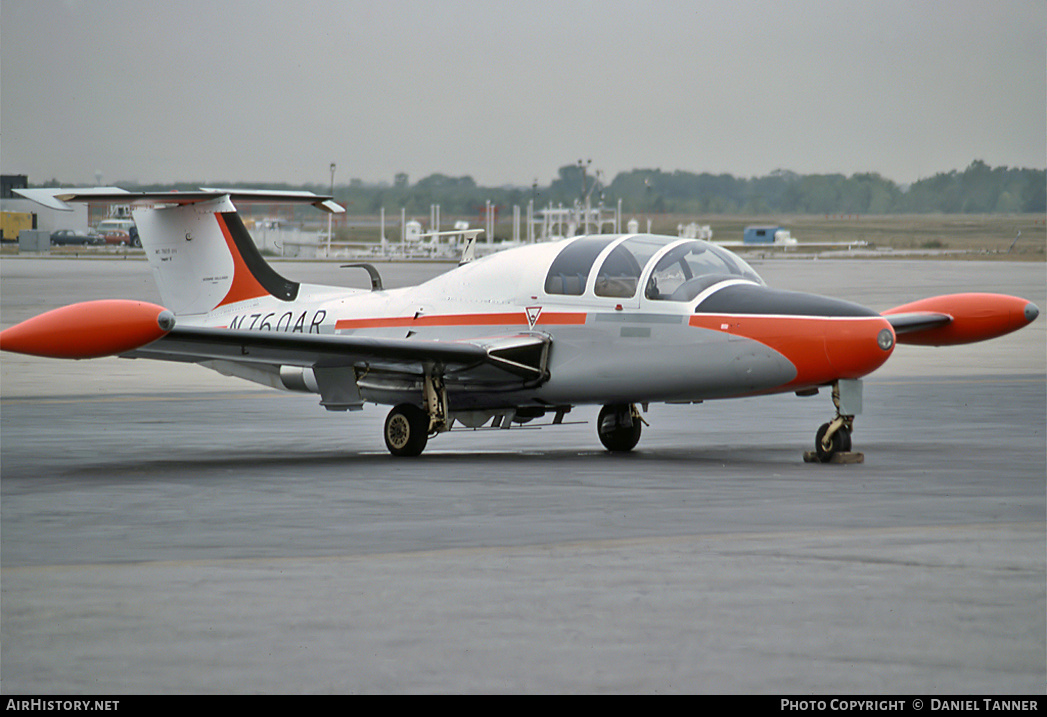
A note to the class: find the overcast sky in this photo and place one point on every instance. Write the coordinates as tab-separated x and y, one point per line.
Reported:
507	91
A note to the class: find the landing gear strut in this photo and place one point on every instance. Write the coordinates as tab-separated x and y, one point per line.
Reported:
619	427
834	438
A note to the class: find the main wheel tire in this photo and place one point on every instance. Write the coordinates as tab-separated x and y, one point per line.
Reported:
406	430
839	443
619	438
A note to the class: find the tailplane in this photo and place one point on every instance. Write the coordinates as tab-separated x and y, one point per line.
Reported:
201	254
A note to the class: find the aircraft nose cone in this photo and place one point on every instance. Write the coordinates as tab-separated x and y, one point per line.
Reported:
1031	312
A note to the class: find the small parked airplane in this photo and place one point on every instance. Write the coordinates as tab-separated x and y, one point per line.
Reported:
619	321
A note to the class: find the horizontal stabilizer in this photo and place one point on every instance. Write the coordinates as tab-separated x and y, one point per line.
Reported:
959	318
60	199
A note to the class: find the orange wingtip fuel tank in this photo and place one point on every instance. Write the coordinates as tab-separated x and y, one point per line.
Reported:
975	317
89	330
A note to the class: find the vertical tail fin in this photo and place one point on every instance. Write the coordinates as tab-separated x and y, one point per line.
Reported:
203	258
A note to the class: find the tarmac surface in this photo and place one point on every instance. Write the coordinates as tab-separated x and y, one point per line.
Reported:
164	529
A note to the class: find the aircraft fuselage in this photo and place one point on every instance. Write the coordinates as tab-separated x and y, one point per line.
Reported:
734	339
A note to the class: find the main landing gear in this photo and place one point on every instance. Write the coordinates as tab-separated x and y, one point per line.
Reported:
832	442
408	427
618	427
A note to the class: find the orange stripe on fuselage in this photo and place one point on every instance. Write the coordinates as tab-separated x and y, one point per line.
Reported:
551	318
822	349
245	285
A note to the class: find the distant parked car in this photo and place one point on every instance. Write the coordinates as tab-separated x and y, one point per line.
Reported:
72	237
116	236
119	231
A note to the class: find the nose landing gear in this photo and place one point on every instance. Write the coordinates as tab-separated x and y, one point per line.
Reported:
832	442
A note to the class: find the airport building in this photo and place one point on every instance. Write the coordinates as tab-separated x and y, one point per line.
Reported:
18	212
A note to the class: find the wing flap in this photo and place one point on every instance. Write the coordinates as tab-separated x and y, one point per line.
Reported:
198	343
517	357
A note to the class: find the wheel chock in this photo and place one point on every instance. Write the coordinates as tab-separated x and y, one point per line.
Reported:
839	458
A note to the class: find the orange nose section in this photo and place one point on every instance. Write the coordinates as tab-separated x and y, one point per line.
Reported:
822	349
860	347
89	330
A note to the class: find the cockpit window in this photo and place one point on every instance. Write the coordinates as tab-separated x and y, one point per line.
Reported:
687	270
570	269
620	272
684	271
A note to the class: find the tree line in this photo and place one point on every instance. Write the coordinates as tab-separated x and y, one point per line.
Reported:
978	189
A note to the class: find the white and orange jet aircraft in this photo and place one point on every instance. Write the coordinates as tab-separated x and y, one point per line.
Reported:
619	321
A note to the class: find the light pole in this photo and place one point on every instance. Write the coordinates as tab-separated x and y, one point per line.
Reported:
329	214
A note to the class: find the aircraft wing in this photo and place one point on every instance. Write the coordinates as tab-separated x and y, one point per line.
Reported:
500	359
135	329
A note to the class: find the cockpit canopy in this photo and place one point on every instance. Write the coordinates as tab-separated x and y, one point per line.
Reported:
671	269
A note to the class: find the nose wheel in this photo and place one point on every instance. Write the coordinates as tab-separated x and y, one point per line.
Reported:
827	445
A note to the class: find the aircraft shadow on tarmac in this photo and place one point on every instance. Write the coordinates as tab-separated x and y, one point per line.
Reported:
684	464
